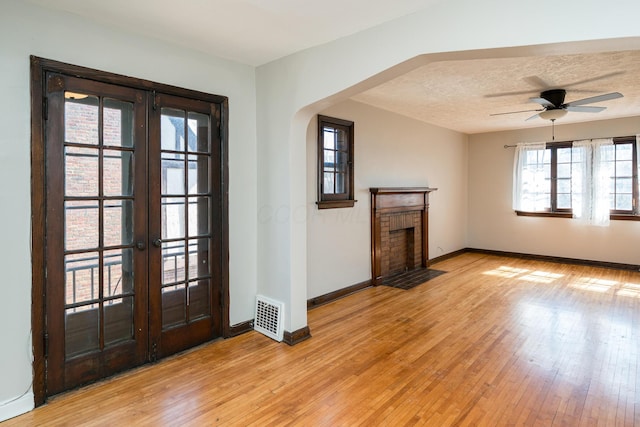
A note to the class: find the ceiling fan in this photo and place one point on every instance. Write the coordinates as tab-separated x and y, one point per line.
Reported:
554	107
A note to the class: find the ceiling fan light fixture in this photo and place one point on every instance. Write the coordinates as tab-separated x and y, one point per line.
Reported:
553	114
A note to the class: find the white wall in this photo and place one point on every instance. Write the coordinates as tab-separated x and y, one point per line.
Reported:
29	30
494	225
291	90
390	151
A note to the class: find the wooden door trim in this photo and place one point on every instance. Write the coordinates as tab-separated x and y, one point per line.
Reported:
38	69
37	230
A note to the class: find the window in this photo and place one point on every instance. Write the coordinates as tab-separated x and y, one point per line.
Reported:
335	163
568	179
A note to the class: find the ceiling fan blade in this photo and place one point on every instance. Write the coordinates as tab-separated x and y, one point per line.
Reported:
535	116
542	101
593	79
537	84
514	112
584	109
590	100
519	92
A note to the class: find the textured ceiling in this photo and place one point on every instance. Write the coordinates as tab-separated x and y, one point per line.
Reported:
461	95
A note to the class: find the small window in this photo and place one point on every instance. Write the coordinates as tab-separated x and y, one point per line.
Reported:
621	188
335	163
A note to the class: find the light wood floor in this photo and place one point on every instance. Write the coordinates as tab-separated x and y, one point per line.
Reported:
495	341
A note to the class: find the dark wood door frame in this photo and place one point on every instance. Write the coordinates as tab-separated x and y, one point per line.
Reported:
39	68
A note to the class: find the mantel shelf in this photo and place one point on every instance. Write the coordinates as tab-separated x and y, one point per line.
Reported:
399	190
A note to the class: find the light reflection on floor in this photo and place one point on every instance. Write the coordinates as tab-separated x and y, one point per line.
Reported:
563	339
591	284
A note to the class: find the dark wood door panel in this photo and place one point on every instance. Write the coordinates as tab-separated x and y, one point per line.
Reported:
96	217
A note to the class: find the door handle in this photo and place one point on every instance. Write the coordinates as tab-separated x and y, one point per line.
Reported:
157	243
141	246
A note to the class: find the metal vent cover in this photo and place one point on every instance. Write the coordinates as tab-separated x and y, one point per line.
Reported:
269	318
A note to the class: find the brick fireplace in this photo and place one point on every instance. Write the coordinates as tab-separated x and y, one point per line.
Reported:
399	230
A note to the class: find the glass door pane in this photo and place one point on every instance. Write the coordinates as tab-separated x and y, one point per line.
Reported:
185	201
99	223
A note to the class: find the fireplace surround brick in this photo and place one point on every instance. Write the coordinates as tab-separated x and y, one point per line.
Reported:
399	229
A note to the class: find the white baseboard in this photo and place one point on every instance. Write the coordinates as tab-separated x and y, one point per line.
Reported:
16	407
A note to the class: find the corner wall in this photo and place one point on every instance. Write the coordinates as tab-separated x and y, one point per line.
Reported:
390	151
494	225
27	30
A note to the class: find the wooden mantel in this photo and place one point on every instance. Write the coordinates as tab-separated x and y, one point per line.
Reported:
395	201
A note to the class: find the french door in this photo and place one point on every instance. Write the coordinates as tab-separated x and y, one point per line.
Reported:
133	218
184	293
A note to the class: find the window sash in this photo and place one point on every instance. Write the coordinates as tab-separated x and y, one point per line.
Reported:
550	197
335	162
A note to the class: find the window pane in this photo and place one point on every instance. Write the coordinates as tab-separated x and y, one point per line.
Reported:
564	201
117	123
340	183
343	160
624	152
172	174
329	160
564	185
118	173
81	225
173	225
329	139
624	202
624	185
198	132
81	118
198	174
328	183
198	216
564	170
608	153
173	262
577	154
117	273
624	168
118	222
172	129
564	155
341	140
81	171
81	277
198	258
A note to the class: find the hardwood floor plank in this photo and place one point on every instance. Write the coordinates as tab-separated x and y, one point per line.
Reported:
495	341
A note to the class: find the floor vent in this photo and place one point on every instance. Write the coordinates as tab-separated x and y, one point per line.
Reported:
269	318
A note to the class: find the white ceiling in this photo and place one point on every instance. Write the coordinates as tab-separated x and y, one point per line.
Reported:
458	95
252	32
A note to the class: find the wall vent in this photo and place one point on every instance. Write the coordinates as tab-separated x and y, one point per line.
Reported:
269	319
